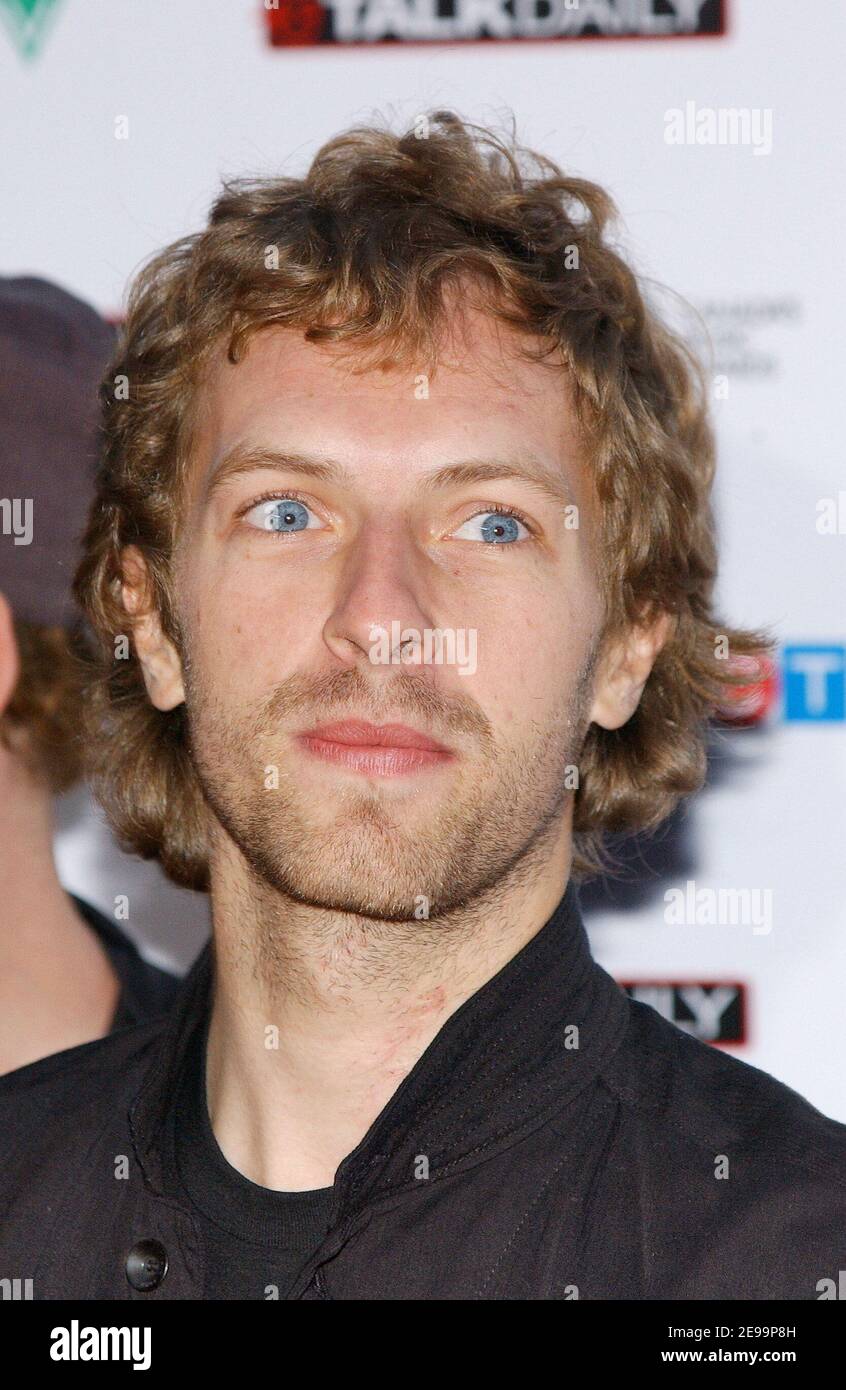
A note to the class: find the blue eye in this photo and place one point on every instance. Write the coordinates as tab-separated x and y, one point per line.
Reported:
498	527
284	514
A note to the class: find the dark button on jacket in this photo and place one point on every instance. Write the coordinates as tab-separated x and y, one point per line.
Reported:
556	1140
146	1265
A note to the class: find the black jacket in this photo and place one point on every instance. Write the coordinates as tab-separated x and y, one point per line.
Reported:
145	990
555	1140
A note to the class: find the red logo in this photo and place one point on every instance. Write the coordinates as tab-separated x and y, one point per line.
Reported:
744	705
293	22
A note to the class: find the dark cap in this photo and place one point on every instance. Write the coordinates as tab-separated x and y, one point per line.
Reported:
54	350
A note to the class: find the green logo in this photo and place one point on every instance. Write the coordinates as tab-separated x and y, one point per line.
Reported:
26	21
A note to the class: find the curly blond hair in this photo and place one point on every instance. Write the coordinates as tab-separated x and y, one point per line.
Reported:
363	250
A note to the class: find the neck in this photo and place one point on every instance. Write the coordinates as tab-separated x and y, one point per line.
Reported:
57	987
318	1016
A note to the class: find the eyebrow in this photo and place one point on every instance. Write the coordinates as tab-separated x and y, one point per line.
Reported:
527	469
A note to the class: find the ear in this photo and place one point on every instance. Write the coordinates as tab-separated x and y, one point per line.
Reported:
624	670
10	659
159	658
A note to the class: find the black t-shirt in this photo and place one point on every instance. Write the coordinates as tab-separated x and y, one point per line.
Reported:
255	1240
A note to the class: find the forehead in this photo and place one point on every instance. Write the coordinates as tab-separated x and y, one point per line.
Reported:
482	396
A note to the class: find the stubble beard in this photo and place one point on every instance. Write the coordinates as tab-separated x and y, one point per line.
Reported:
370	854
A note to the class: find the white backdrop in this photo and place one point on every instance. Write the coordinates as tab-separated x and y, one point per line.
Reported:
754	239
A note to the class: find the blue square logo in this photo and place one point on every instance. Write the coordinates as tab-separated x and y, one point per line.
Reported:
815	683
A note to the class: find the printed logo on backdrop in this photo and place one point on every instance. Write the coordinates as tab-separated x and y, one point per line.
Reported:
746	705
815	684
810	686
27	22
745	336
304	22
714	1013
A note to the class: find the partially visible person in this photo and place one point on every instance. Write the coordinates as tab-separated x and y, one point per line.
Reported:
68	974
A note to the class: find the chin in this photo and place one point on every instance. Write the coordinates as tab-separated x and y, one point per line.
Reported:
359	899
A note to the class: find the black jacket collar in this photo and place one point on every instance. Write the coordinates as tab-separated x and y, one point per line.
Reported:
145	990
508	1059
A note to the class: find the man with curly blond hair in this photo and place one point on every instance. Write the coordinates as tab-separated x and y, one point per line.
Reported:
402	566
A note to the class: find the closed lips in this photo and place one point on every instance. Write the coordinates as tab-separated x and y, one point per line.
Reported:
358	733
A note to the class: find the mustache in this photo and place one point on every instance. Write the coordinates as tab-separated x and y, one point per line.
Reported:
349	693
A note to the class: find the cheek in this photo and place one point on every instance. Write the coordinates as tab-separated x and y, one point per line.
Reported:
529	657
249	636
